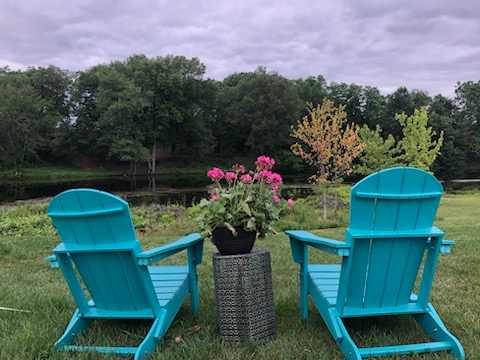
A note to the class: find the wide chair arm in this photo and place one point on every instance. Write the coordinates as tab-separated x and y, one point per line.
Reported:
301	238
193	243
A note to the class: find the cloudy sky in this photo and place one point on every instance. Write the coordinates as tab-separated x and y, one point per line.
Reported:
427	45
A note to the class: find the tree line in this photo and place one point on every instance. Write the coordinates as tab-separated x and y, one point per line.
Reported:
132	110
335	148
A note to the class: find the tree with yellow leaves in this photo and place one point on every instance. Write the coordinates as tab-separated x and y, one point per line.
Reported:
326	142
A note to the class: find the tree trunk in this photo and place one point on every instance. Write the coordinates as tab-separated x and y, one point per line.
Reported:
154	158
324	204
152	183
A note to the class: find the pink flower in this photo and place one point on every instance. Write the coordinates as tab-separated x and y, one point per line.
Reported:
214	196
290	203
275	178
246	179
264	163
270	177
215	174
275	188
239	168
265	175
230	176
275	198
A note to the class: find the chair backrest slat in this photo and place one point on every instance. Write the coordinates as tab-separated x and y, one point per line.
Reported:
86	219
382	270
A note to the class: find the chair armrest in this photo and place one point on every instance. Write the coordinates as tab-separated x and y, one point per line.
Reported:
332	246
192	241
52	259
446	246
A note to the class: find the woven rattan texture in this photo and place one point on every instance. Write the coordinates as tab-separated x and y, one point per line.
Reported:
244	297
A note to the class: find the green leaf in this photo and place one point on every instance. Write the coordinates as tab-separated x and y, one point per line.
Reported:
246	208
251	224
203	203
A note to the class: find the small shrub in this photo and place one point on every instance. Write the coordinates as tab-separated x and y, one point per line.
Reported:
25	220
307	214
154	217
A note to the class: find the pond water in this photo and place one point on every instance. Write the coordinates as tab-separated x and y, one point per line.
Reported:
178	189
184	189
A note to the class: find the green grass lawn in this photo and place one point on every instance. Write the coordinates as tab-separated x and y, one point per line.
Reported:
58	173
54	173
27	282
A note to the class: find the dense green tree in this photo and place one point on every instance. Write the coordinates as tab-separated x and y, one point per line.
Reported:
155	102
80	135
194	138
120	105
25	124
442	115
468	121
130	150
373	106
350	96
378	153
256	112
168	88
52	85
312	90
401	101
120	110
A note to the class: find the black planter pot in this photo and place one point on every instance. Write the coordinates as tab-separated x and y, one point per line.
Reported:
228	244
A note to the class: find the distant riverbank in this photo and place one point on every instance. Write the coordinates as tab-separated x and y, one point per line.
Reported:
180	185
61	173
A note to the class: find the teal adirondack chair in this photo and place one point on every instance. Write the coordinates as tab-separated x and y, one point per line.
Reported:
99	244
391	230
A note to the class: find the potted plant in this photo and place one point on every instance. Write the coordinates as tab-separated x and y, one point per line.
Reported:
242	206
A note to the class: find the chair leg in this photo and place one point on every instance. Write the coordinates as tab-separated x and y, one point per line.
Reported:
433	326
155	334
195	298
76	325
346	343
193	283
303	295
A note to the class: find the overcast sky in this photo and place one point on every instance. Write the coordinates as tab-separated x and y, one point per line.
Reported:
426	45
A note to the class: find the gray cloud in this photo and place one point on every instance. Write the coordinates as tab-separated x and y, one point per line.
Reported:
428	44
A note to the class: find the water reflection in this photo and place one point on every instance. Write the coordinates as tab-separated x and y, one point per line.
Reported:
22	190
182	189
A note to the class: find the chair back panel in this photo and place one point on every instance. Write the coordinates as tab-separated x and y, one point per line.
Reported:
90	217
383	269
97	230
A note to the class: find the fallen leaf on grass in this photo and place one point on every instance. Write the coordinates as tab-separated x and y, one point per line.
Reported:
190	331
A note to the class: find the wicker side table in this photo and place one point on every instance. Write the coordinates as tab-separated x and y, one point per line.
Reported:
244	297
